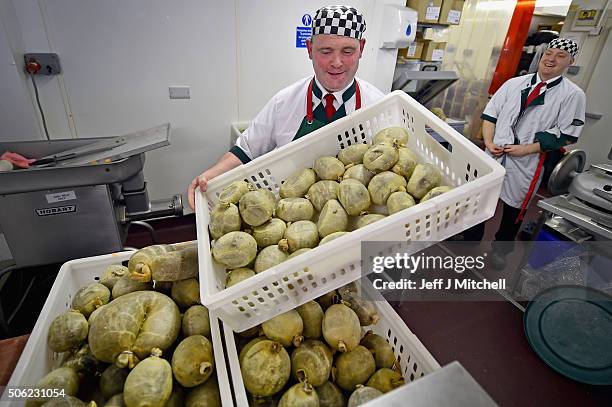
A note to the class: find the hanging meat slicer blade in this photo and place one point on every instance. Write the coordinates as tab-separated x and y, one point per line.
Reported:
565	171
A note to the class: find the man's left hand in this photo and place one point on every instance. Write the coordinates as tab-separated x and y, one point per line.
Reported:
519	150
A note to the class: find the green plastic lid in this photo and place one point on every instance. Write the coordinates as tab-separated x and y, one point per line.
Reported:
570	328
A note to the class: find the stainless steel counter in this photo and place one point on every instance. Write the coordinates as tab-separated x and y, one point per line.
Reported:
557	205
451	385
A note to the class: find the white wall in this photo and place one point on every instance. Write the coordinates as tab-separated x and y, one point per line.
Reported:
595	62
31	30
119	57
590	45
19	122
129	54
596	140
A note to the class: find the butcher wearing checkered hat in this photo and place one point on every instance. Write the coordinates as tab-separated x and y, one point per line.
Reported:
336	45
526	125
333	92
564	44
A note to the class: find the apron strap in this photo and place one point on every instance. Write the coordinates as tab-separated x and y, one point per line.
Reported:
309	114
532	186
309	111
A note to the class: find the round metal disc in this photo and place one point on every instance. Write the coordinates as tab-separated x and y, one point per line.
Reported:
561	178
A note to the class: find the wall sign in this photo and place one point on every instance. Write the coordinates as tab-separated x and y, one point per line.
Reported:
303	33
585	19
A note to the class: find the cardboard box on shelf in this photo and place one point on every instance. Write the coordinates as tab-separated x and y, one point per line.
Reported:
433	51
414	51
450	13
436	34
428	10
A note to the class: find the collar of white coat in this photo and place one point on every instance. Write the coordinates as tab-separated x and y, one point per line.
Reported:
549	83
337	95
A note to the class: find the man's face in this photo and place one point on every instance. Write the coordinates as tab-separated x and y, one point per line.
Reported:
335	59
554	62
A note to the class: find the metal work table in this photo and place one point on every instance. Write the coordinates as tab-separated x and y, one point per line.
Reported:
557	206
79	201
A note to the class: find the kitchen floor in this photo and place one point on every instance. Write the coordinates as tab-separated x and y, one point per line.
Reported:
485	337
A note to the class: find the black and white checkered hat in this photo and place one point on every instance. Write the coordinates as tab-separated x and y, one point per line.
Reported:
565	44
339	20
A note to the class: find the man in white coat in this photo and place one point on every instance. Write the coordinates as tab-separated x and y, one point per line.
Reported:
525	119
335	47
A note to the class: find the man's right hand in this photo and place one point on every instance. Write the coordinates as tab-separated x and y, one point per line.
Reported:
225	163
494	149
201	181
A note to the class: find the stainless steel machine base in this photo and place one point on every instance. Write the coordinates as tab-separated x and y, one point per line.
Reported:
43	227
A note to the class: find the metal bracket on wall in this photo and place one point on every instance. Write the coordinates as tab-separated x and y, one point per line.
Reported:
594	116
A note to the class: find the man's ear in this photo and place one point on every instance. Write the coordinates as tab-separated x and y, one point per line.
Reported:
572	60
361	46
309	47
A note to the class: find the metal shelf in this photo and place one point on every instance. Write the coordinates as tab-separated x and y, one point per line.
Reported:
421	25
429	83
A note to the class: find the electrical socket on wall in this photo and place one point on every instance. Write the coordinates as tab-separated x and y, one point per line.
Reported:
179	92
49	63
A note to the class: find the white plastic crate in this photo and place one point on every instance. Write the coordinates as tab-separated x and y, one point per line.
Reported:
415	360
476	177
37	359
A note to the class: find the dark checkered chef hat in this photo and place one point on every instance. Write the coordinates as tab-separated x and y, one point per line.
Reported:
339	20
565	44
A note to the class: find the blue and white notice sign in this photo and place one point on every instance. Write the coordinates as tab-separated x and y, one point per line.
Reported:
303	33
